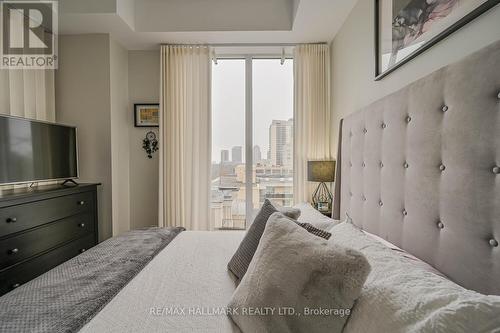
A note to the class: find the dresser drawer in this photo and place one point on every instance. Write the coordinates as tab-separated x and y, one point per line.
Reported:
22	273
29	215
22	246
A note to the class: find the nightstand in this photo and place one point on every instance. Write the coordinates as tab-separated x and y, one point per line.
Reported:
329	213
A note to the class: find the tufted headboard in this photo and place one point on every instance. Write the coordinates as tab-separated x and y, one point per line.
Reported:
421	169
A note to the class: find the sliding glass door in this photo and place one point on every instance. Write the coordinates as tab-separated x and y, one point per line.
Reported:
252	138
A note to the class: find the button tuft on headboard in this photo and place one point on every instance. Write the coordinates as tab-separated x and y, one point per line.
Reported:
442	167
408	119
444	108
405	165
496	170
440	225
493	242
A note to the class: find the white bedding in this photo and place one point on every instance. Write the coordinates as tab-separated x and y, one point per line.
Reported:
401	297
189	273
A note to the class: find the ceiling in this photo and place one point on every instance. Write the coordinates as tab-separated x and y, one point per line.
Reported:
144	24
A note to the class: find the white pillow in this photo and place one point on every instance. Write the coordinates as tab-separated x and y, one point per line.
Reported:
400	296
293	270
310	215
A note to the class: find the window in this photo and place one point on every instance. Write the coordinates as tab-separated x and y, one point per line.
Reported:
228	188
273	130
252	138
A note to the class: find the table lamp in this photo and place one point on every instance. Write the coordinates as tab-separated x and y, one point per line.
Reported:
322	172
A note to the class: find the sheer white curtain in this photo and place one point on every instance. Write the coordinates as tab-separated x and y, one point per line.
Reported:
27	93
312	133
185	137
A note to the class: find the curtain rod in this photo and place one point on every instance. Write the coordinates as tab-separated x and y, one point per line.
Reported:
249	44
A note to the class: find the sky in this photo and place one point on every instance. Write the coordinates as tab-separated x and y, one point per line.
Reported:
272	100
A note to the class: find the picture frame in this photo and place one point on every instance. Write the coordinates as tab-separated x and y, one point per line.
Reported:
146	115
405	29
323	206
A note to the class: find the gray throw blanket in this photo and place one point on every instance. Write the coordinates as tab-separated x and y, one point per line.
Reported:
67	297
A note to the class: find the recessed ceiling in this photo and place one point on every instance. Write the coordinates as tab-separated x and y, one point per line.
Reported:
144	24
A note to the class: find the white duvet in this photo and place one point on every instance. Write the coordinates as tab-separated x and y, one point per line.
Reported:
400	296
178	291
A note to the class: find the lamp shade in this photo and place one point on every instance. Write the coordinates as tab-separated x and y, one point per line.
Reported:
321	171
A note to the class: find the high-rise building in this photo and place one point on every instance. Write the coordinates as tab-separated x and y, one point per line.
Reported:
281	142
236	154
257	155
224	156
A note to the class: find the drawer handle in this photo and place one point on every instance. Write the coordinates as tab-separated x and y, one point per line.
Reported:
81	225
14	251
82	250
15	285
81	203
11	220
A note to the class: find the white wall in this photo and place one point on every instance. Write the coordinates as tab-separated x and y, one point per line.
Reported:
97	83
144	87
83	99
92	94
353	58
121	122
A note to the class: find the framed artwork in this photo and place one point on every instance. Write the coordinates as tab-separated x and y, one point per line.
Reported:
146	115
406	28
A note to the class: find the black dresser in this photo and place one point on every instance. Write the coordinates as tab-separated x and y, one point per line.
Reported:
42	227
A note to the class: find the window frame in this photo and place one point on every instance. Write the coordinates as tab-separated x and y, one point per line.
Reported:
248	149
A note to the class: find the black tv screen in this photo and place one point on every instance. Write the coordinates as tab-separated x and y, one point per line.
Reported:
32	151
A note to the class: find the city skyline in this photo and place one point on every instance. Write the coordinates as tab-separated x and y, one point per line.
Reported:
283	137
271	79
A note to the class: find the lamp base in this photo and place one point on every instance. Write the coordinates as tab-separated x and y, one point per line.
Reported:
322	198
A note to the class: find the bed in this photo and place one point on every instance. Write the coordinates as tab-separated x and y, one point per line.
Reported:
418	189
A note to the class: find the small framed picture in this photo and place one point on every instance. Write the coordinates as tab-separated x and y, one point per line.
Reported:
146	115
323	206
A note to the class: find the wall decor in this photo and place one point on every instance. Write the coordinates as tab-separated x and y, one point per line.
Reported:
150	144
146	115
406	28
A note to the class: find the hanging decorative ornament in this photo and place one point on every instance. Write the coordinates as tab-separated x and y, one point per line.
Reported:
150	144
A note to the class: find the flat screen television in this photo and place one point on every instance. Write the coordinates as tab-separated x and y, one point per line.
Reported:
33	151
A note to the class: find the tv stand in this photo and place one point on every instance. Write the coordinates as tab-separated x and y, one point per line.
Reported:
49	224
67	181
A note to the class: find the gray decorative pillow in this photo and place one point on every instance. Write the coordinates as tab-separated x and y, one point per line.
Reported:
241	259
238	264
291	212
310	215
309	282
315	231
